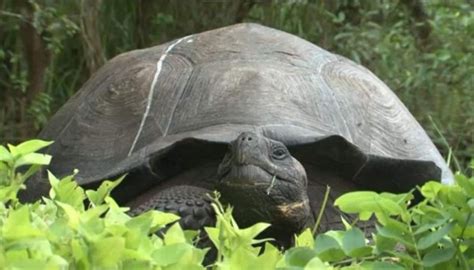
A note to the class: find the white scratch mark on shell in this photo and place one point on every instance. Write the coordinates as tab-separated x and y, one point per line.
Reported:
159	66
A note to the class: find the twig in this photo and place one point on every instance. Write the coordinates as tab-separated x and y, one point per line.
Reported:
14	15
458	242
271	185
321	211
446	144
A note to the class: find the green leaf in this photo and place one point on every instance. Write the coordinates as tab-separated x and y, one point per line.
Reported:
18	225
137	265
31	146
383	243
365	202
213	234
94	213
13	150
465	183
107	252
27	263
427	225
53	181
252	231
405	256
400	199
33	158
328	248
72	214
299	256
434	237
8	193
31	171
444	55
305	239
57	262
395	224
66	191
171	254
241	258
353	243
381	265
471	204
98	197
457	196
79	251
269	258
315	264
161	219
5	154
395	234
244	258
141	223
3	167
174	235
431	189
116	214
365	215
437	256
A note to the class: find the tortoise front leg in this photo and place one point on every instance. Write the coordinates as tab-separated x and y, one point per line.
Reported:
189	202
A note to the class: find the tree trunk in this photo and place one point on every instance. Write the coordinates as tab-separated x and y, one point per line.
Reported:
37	58
36	54
90	33
420	22
145	12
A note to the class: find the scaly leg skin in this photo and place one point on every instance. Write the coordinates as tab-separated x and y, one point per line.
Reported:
189	202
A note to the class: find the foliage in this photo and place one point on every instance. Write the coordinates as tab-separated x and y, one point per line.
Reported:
54	25
61	233
15	157
78	229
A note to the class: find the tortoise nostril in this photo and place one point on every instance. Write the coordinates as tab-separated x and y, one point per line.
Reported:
247	138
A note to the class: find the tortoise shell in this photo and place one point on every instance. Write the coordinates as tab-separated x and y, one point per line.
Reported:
210	87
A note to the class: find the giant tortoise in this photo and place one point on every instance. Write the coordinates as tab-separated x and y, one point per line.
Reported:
265	117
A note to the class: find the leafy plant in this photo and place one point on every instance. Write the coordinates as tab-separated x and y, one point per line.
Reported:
75	228
61	233
15	157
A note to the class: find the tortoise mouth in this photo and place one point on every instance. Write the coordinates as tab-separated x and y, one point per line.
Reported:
247	175
260	196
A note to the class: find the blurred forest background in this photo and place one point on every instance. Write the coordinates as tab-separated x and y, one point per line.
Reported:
423	50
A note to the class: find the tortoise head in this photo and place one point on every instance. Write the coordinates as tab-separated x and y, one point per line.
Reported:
264	183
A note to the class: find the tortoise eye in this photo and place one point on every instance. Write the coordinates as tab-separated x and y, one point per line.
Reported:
279	153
